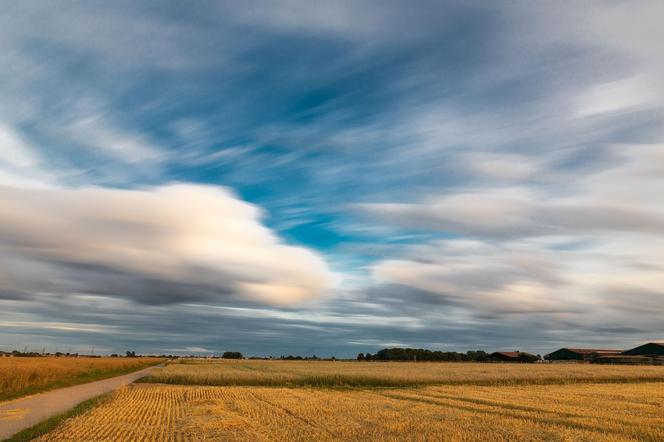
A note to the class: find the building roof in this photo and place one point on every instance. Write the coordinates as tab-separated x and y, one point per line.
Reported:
588	351
509	354
643	347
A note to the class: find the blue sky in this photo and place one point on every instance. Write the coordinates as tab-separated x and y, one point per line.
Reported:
330	177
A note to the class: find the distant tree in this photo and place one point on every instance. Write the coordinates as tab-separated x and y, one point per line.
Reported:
527	357
232	355
114	355
477	355
421	354
360	357
131	354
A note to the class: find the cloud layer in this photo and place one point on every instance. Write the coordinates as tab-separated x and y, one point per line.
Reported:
169	244
479	175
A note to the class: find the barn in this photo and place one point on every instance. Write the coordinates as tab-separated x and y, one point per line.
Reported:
649	349
653	350
580	354
504	356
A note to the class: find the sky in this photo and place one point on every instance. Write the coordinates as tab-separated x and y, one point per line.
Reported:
330	177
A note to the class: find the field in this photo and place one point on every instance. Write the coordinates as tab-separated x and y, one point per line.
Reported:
392	374
304	401
598	412
23	376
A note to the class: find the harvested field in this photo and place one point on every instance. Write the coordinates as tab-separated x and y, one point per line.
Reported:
393	374
598	412
23	376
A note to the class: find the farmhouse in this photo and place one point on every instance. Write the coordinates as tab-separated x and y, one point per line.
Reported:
504	356
580	354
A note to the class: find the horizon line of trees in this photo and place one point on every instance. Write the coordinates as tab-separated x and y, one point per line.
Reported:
421	354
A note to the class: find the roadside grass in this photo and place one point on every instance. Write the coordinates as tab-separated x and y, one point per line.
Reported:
52	423
34	381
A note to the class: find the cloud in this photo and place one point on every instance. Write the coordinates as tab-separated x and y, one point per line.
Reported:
508	161
90	127
627	94
15	150
579	255
504	214
482	277
619	198
168	244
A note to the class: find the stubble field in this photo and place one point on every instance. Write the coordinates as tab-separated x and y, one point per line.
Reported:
597	412
479	402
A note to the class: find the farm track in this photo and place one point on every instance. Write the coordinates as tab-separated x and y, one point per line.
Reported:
18	414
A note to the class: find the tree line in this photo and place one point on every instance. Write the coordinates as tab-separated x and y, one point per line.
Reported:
421	354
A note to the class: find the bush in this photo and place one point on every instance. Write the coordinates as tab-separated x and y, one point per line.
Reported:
527	357
232	355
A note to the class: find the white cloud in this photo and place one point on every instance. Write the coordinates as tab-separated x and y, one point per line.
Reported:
14	150
556	277
172	243
94	132
582	255
627	94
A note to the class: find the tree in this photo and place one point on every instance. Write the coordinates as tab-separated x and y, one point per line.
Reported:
527	357
477	355
360	357
232	355
131	354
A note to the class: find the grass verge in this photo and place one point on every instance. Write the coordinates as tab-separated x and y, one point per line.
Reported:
50	424
82	378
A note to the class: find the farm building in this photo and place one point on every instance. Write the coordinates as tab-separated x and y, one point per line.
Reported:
624	360
653	350
504	356
580	354
649	349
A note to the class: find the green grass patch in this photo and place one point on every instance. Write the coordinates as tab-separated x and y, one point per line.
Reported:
50	424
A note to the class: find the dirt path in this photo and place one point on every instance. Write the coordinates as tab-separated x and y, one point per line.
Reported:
22	413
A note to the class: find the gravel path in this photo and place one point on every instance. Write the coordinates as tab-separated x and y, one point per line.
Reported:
22	413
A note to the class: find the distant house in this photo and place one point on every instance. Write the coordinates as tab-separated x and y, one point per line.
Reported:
580	354
653	350
504	356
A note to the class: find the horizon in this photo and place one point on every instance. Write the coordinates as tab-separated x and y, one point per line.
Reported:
332	178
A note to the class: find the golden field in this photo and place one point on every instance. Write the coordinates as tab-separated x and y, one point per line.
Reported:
22	376
392	374
578	412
